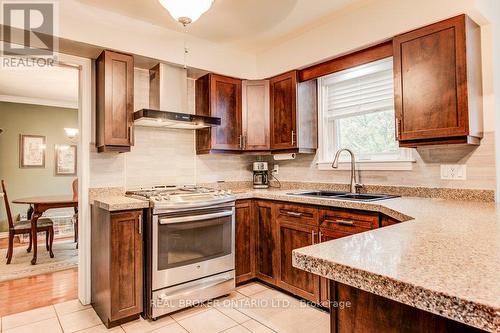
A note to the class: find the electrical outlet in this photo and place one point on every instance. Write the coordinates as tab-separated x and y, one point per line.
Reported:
453	171
276	169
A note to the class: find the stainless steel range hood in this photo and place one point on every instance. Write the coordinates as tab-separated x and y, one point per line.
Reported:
168	91
157	118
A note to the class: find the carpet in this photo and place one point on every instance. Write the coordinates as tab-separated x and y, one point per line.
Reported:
65	257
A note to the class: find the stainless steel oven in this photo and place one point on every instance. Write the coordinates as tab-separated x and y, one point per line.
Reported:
192	256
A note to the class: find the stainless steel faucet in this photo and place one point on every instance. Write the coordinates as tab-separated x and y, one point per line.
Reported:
355	186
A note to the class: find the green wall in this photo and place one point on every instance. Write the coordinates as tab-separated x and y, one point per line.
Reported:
31	119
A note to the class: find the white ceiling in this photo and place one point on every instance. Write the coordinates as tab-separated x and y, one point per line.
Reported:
55	86
253	24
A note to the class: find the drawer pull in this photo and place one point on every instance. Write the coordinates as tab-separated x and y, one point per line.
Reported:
312	237
345	222
293	214
341	222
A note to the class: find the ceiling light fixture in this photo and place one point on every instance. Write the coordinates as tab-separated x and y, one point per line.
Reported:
186	11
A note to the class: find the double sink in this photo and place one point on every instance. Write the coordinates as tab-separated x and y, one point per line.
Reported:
344	195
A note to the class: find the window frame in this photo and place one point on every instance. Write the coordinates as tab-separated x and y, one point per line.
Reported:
404	161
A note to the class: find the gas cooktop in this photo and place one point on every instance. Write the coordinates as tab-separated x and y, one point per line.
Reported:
181	197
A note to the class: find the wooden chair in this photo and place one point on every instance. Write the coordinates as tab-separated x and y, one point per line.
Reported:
75	216
24	227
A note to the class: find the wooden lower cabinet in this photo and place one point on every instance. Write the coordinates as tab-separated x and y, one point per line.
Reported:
245	241
266	245
387	221
372	313
301	283
268	231
117	265
325	235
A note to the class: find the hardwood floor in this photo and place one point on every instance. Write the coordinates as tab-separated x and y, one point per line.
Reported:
37	291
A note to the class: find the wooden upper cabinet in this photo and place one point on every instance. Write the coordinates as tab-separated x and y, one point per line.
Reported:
294	114
115	102
284	111
219	96
255	115
437	72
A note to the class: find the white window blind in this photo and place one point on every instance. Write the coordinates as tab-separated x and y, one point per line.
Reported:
357	112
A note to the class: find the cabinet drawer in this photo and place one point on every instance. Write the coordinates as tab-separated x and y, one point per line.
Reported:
348	221
297	213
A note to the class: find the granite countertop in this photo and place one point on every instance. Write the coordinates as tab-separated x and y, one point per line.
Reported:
445	260
114	203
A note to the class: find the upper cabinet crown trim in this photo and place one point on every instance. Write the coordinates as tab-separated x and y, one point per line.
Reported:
370	54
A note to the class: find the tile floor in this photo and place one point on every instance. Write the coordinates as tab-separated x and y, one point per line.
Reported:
252	308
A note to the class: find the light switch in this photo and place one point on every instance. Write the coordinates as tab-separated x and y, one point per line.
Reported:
454	171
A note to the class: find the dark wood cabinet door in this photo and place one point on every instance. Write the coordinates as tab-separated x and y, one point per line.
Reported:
293	236
372	313
126	264
386	221
326	235
431	81
245	242
266	251
115	100
283	91
225	103
202	107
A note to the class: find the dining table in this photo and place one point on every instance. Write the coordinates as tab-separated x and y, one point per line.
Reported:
38	206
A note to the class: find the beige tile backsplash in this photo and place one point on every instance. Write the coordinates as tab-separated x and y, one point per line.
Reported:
480	169
168	157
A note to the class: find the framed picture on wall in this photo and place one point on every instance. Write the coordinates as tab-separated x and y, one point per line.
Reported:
65	160
31	151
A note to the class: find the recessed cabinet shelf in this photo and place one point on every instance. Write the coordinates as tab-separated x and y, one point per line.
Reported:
438	90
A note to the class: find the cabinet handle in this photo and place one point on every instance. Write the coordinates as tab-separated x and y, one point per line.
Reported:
345	222
244	141
131	134
241	141
320	236
341	222
293	214
398	128
312	237
140	224
293	138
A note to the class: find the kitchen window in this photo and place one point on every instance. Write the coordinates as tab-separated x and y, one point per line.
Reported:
356	111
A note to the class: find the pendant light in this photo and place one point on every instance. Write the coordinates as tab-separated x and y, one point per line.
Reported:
186	11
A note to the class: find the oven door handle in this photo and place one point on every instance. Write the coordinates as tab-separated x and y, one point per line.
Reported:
170	220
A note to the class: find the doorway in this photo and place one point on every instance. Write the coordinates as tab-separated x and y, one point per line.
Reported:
38	110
